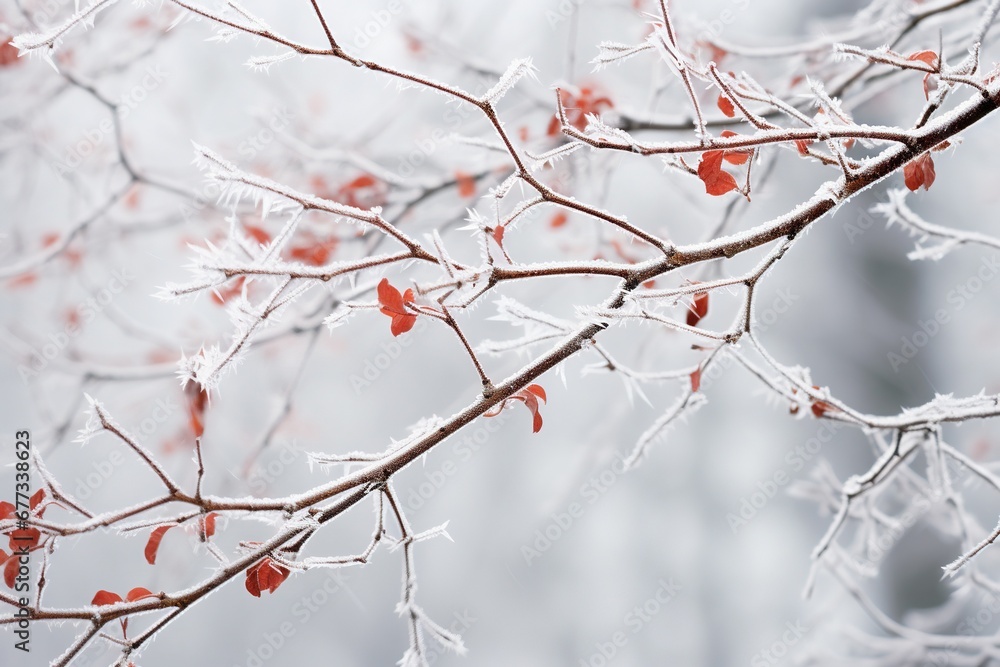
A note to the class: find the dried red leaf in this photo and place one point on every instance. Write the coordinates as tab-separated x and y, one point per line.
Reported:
577	107
364	191
820	407
698	309
139	593
696	380
105	598
197	404
529	396
717	182
258	234
466	184
928	57
227	292
206	526
36	498
393	304
726	107
10	568
363	181
6	510
265	576
498	233
8	52
314	250
24	538
23	280
739	156
919	173
153	543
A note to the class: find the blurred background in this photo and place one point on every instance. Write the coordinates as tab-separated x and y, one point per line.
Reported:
699	556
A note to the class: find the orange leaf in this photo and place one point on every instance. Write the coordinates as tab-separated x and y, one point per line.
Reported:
36	499
153	544
529	396
8	52
717	182
393	304
919	173
738	156
258	234
138	594
466	184
498	233
696	380
10	568
725	106
206	526
698	309
265	576
930	58
24	538
363	181
558	220
105	597
23	280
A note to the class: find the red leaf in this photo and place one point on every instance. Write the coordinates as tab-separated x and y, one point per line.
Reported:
153	544
919	172
206	526
803	146
258	234
717	182
466	184
725	106
928	57
23	280
696	380
197	404
10	570
735	156
252	585
8	52
820	408
576	108
498	233
223	294
698	309
362	181
24	538
553	127
393	304
313	249
529	396
558	220
537	390
105	597
6	510
265	576
139	594
36	499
